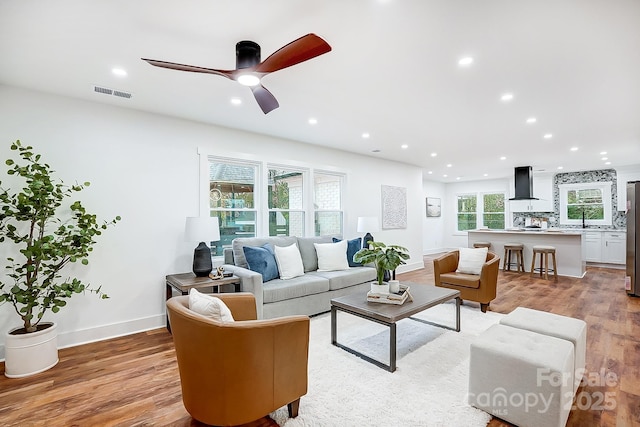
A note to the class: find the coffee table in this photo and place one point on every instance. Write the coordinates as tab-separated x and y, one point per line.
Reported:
424	297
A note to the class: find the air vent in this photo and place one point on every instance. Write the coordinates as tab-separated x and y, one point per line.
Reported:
107	91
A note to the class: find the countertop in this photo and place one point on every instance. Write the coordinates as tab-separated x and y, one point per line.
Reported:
536	231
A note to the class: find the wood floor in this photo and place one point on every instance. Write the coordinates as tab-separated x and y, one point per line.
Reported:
133	380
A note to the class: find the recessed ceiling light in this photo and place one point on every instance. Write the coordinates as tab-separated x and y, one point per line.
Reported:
547	136
466	61
560	167
119	72
602	153
444	176
503	158
434	154
236	101
313	121
458	178
605	158
506	97
574	148
430	172
449	165
365	135
531	120
607	163
404	146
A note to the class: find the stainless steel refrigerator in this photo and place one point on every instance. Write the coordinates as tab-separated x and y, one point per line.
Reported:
633	238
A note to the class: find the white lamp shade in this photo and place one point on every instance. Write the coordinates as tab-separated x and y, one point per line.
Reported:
202	229
367	224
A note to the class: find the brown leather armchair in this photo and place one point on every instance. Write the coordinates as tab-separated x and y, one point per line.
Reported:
237	372
479	288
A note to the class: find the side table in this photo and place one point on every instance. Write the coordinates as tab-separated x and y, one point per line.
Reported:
184	282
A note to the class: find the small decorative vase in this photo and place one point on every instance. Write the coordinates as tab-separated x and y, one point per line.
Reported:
394	286
379	289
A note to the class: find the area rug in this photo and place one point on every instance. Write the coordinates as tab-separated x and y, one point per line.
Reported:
428	388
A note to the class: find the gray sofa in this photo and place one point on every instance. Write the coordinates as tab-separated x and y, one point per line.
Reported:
308	294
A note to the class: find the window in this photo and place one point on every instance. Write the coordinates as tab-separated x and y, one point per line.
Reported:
489	208
585	203
285	188
254	198
232	199
493	211
327	193
467	216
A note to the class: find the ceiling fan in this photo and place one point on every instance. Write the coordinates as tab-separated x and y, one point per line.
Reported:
249	70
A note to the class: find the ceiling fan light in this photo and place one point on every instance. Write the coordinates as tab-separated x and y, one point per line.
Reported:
248	80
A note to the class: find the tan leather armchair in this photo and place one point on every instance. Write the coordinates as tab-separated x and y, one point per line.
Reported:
479	288
237	372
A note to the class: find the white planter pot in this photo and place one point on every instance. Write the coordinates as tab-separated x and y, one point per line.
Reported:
379	289
29	354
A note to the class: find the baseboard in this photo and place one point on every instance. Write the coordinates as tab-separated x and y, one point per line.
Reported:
100	333
434	251
405	268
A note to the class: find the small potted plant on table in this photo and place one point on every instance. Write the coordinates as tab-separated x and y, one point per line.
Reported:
384	258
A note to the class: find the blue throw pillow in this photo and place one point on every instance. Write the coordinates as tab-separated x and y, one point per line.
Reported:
353	246
262	260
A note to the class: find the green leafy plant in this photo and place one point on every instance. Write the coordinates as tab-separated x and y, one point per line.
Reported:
383	257
46	236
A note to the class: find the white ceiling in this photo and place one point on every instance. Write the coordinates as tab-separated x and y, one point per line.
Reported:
393	72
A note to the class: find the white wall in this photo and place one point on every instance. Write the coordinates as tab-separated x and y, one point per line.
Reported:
433	227
144	167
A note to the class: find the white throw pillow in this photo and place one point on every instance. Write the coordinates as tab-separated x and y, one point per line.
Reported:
332	256
289	261
209	306
471	260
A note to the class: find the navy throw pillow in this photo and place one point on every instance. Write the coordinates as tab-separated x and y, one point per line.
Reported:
353	246
262	260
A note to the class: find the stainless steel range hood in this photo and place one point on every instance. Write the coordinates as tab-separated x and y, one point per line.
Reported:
523	183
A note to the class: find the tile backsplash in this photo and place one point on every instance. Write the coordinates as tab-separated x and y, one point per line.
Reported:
619	219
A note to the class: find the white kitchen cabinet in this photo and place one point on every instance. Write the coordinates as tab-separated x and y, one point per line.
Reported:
593	246
614	247
543	190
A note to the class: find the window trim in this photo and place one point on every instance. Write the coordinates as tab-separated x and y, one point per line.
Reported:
604	186
479	195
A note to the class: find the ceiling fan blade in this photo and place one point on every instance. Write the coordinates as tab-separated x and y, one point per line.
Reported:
265	99
300	50
192	68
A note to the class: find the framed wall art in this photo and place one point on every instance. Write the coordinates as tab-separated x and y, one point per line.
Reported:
433	207
394	207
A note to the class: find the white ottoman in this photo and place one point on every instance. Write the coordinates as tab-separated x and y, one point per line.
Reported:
554	325
523	377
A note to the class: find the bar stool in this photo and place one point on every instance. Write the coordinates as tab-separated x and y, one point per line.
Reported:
544	252
482	245
515	249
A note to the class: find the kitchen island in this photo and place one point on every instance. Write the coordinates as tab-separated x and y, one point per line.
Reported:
570	247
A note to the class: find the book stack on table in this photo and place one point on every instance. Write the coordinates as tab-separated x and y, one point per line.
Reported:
397	298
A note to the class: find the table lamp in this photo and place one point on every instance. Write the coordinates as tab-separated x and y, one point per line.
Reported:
199	229
367	224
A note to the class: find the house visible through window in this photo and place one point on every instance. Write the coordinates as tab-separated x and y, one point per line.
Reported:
232	199
327	193
286	202
253	198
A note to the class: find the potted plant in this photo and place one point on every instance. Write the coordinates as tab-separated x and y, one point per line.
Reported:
384	258
43	234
